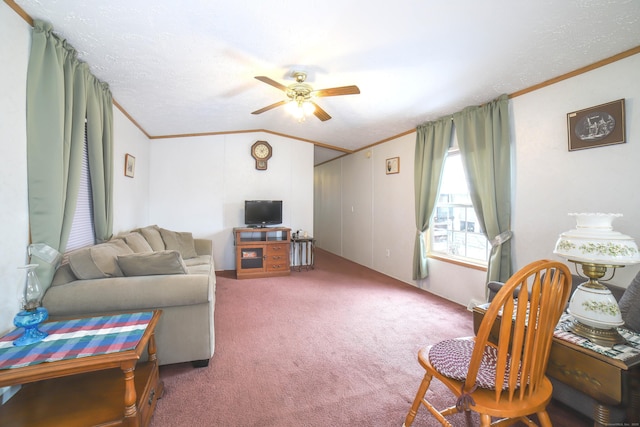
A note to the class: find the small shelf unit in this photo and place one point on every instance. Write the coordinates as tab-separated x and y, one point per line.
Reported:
262	252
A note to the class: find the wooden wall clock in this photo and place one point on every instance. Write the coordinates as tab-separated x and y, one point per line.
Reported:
261	151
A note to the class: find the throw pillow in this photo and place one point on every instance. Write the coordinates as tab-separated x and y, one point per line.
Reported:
137	242
99	261
630	304
152	235
152	263
179	241
83	266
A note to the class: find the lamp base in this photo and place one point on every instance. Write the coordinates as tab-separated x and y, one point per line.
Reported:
603	337
29	320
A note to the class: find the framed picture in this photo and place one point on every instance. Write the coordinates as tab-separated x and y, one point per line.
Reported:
392	165
597	126
129	165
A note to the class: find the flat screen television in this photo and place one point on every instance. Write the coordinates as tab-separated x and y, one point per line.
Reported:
261	213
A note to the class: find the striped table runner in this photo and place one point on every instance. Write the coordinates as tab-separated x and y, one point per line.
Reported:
76	338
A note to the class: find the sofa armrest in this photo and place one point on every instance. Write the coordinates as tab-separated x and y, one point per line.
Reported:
203	246
617	291
494	288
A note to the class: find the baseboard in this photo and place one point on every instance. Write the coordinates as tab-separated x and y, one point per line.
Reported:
474	303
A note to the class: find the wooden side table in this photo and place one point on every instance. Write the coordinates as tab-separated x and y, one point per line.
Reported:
610	381
86	373
303	252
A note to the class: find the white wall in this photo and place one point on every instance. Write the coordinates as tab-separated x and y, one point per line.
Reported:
327	213
14	216
357	208
380	230
549	182
199	184
130	195
390	217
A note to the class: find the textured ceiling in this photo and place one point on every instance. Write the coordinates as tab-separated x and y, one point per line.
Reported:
188	67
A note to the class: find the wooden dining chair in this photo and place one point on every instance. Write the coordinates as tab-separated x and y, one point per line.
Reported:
504	379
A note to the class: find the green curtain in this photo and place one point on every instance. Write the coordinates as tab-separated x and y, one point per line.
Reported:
483	139
432	142
61	92
100	150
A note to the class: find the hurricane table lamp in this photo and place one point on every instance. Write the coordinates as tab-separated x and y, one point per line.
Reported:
32	313
597	248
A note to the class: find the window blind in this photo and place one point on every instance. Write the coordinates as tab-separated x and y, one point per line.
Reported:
82	230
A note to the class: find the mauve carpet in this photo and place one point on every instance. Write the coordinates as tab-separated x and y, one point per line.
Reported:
332	346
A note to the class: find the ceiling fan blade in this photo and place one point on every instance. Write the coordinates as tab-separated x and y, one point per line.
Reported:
271	82
335	91
269	107
320	113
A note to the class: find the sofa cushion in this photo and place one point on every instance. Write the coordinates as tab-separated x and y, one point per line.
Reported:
199	269
63	275
99	261
199	260
630	303
152	235
179	241
137	242
152	263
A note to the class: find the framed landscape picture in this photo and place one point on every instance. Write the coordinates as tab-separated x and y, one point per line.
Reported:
597	126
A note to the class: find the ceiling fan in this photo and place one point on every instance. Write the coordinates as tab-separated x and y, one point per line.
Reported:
300	95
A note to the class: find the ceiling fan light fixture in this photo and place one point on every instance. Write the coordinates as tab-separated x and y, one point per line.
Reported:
300	107
296	110
308	108
299	96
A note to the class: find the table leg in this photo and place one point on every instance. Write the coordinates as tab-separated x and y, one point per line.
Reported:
313	245
601	415
130	408
151	349
634	407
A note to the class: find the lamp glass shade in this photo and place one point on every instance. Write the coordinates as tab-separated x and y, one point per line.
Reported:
594	307
594	241
32	288
596	247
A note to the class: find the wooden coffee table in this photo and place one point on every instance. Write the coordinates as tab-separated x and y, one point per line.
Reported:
86	373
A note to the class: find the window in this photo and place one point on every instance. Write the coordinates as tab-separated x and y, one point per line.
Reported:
82	231
454	229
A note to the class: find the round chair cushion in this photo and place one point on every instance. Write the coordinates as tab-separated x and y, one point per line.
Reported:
451	358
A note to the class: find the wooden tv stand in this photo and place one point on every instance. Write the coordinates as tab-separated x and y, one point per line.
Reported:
262	252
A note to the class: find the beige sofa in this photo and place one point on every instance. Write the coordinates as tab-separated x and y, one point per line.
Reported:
145	269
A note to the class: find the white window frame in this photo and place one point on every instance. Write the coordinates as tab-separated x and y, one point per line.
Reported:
453	228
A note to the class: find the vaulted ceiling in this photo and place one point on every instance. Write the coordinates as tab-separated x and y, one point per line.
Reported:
188	67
